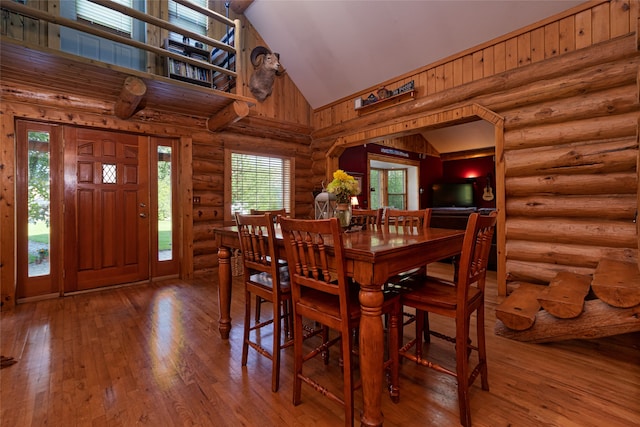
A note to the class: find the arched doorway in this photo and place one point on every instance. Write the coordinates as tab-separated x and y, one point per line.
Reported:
389	131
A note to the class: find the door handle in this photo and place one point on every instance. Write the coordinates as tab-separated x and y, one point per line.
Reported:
143	215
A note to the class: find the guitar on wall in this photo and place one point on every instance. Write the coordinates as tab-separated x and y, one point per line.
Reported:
488	191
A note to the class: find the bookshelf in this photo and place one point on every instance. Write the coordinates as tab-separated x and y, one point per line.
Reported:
183	70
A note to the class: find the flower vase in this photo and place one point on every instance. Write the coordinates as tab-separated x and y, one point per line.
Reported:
343	213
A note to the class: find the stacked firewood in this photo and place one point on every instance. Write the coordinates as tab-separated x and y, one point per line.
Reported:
574	306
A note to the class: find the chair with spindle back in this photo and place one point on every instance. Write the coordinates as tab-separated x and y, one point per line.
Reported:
322	292
277	213
366	219
267	278
458	300
408	222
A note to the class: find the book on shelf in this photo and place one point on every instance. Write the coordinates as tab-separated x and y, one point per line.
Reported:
186	71
176	50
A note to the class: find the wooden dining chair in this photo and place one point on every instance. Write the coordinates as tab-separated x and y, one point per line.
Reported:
323	293
277	213
366	219
408	222
457	300
264	277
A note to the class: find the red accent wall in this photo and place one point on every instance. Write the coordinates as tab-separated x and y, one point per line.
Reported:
482	169
432	170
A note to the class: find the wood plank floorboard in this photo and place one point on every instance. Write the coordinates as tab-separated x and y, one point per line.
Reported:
151	355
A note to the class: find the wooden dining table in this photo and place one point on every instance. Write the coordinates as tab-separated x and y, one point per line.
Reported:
372	257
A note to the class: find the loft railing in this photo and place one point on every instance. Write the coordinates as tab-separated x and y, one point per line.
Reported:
231	68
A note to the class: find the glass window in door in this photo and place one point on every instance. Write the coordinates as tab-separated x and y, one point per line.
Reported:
39	203
38	210
165	204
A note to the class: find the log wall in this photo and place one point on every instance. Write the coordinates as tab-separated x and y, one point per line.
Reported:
567	176
566	88
208	183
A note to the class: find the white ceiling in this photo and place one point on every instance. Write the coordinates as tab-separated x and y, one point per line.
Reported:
465	137
332	49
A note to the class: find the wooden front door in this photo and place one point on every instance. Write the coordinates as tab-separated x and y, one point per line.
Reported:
106	198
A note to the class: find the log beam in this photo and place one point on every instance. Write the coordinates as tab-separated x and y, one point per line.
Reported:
597	321
566	254
575	231
574	184
229	115
612	206
131	95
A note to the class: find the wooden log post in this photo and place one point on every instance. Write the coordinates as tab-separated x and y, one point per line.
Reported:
617	283
229	115
131	95
564	297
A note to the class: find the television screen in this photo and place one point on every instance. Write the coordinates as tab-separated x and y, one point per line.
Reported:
449	195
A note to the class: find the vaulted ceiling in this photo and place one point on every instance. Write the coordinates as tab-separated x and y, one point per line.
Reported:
333	49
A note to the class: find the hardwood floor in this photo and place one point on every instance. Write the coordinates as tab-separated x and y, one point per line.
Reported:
151	355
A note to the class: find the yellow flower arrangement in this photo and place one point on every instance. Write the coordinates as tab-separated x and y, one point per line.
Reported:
344	186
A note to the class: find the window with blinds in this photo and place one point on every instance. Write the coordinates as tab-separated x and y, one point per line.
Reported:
260	182
388	188
187	18
105	17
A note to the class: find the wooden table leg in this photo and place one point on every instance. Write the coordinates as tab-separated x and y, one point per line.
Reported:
371	354
224	291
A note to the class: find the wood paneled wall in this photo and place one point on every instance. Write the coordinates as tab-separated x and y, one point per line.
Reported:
567	91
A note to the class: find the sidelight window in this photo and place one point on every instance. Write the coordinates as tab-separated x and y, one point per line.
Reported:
165	204
39	202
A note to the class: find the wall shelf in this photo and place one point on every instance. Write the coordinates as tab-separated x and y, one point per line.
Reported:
185	71
387	102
